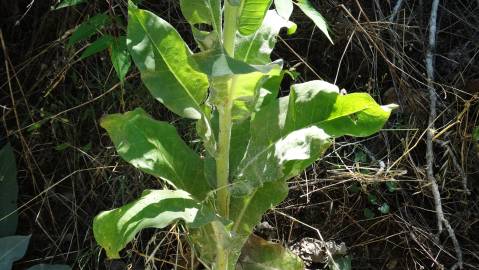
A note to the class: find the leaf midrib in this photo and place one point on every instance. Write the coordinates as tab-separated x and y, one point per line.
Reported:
166	62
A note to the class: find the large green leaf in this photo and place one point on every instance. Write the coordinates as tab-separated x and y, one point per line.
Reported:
156	148
12	248
216	63
202	12
256	49
114	229
318	19
162	57
252	13
50	267
291	133
245	79
199	12
246	212
8	192
259	254
269	91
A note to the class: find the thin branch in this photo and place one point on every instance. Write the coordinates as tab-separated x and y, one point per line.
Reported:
396	9
430	135
432	114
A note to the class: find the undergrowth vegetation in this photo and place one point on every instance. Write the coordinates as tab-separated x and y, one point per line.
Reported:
372	194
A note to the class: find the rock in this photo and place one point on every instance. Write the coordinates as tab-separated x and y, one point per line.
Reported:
315	251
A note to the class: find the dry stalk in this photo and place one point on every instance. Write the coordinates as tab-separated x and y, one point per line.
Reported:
430	135
396	9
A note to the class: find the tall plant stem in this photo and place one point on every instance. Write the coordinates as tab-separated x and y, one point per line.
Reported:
224	111
231	16
224	136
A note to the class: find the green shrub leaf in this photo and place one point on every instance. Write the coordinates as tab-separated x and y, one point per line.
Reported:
256	49
162	56
216	63
318	19
156	148
259	254
120	57
202	12
246	212
68	3
102	43
475	134
384	208
289	134
199	12
88	28
252	13
12	248
154	209
8	192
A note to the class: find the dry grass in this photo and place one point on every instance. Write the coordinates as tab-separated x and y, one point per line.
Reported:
68	170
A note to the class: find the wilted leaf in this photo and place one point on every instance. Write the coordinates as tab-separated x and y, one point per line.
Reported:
8	192
259	254
156	148
114	229
162	56
12	248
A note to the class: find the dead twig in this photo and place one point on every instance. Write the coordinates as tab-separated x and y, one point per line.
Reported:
441	220
396	9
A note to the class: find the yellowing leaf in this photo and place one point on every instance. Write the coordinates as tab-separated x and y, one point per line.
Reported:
259	254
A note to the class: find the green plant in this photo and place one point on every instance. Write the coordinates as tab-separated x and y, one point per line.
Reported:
115	42
253	140
13	247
